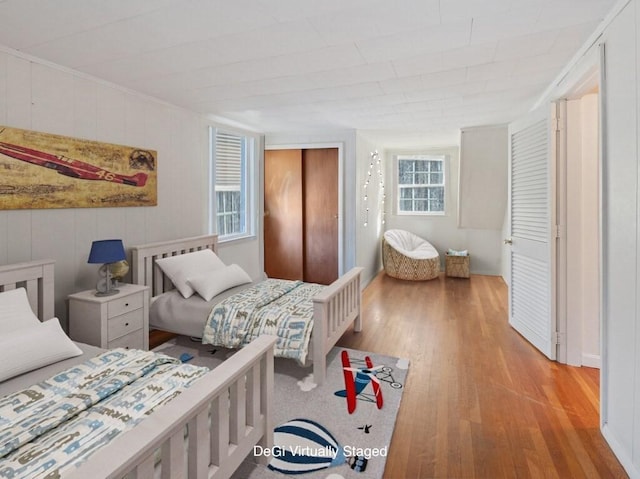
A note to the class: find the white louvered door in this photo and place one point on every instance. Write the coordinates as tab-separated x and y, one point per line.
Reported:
532	146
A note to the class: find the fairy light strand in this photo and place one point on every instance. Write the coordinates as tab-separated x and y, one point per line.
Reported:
375	162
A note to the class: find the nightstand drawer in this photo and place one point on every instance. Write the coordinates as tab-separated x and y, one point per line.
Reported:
119	306
132	340
124	324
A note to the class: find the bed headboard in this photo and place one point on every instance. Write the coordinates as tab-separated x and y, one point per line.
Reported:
37	278
147	272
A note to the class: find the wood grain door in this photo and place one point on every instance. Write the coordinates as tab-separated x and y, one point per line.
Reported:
320	214
283	214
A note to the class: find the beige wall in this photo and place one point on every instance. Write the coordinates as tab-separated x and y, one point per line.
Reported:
484	168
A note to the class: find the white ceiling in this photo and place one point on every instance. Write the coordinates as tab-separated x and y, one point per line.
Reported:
403	68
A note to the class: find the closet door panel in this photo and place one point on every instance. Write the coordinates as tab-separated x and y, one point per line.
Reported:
283	210
320	193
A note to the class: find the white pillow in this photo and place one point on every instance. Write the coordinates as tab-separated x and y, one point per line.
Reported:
209	284
33	347
180	268
15	311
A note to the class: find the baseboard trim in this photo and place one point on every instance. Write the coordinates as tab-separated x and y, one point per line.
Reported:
620	453
591	361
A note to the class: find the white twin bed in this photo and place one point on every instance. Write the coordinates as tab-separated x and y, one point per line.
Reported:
334	307
206	431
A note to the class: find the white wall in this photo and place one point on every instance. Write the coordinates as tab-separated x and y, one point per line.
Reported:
368	237
620	410
42	97
620	379
620	407
484	245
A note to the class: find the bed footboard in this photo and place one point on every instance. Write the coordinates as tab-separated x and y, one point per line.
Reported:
334	309
237	396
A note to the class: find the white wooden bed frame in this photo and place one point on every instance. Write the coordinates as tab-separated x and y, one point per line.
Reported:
237	396
334	309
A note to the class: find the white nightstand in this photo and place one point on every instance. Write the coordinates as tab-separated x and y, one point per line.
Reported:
117	321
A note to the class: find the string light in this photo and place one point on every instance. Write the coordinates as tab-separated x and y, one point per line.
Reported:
375	162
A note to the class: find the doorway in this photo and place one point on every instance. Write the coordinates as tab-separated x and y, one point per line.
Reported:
580	257
301	214
555	282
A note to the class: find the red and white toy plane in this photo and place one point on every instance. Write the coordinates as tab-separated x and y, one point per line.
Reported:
354	387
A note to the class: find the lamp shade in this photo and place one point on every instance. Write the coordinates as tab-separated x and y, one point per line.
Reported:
107	251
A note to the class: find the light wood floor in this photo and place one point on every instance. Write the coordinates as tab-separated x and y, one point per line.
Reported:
479	401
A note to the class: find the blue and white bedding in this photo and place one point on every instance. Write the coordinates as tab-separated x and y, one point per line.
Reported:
276	307
170	311
57	423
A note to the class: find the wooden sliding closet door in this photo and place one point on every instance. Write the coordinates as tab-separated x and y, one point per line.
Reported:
283	205
320	193
301	214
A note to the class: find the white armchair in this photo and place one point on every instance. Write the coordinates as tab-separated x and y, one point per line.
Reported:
408	256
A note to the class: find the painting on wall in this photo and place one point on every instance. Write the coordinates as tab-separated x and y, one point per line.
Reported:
41	170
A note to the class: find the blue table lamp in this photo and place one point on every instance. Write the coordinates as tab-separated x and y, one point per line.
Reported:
106	252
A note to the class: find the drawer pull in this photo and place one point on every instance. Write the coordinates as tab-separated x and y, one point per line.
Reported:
126	324
117	307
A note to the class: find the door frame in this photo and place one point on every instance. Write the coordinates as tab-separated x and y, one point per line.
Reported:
571	328
589	71
341	208
585	79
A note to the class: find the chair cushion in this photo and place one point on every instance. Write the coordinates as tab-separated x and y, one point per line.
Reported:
410	245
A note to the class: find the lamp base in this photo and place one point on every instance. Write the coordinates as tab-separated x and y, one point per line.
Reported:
104	287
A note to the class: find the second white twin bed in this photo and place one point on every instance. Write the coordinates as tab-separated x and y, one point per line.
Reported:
195	294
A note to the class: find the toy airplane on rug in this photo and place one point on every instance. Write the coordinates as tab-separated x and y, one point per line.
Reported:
366	373
355	387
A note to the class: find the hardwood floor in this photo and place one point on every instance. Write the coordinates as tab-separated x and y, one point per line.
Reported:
479	401
157	337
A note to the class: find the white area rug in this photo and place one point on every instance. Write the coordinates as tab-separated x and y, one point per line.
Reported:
366	432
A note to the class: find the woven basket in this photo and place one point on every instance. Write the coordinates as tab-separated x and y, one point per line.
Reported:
400	266
456	266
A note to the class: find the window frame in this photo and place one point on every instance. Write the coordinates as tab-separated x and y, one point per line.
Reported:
430	156
247	179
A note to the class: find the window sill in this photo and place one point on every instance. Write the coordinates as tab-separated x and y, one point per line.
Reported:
421	213
222	240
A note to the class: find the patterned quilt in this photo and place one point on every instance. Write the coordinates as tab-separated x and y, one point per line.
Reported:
58	423
276	307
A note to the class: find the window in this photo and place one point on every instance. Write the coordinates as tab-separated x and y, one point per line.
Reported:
420	184
232	157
